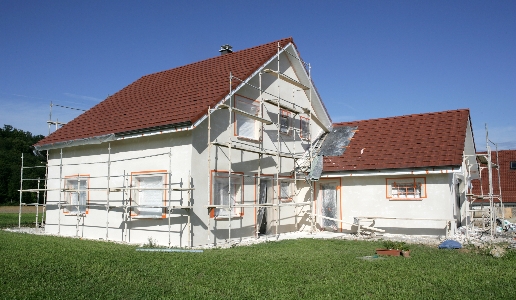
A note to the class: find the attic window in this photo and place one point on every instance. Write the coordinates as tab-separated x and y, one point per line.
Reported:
245	126
513	165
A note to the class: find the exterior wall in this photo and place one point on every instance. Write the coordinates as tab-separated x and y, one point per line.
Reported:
365	196
190	155
249	164
131	155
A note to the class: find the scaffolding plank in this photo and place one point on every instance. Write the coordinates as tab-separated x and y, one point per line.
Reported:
282	106
244	113
287	79
267	152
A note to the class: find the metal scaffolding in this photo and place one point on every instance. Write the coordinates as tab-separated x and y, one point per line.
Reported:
276	105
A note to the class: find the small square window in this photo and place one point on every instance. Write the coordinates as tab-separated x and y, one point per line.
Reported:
513	165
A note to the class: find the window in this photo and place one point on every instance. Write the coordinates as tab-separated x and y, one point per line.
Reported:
513	165
245	126
76	195
285	122
285	191
221	194
406	188
148	194
304	128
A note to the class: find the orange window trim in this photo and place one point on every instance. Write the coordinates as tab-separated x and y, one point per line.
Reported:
278	185
423	188
87	176
159	172
212	211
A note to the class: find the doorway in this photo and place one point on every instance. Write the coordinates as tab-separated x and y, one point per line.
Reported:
328	205
263	198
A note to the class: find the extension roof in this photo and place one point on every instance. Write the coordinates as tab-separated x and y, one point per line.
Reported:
507	177
173	98
411	141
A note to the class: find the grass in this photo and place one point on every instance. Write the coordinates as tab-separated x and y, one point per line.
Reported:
11	219
59	268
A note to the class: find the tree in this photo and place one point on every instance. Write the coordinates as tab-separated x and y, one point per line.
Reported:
14	142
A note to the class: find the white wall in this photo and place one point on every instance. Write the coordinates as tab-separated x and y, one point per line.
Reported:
189	155
365	196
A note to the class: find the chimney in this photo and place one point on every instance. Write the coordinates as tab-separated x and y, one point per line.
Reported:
225	49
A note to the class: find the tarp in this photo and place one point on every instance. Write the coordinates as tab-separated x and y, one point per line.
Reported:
450	244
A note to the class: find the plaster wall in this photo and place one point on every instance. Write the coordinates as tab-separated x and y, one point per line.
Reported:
366	196
132	155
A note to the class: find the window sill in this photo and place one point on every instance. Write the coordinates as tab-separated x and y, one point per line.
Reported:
248	139
286	200
405	199
226	218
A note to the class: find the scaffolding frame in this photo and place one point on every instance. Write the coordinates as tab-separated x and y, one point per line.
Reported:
125	203
489	216
279	104
301	164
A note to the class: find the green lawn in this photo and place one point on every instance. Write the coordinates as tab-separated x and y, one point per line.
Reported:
11	220
53	267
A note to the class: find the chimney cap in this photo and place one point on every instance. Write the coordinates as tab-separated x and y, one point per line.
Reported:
224	49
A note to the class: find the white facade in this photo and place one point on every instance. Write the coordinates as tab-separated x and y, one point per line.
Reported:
133	174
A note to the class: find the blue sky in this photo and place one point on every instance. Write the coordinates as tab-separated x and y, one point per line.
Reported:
370	59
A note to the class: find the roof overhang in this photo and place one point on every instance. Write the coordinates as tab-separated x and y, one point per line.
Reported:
182	126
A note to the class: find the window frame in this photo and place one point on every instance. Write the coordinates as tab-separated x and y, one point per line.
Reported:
391	182
512	165
285	114
76	177
290	196
255	103
238	196
132	200
304	134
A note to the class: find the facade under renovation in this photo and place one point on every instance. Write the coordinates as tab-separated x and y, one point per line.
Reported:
204	153
241	145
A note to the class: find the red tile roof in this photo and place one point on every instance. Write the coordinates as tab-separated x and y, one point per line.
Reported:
507	177
412	141
179	95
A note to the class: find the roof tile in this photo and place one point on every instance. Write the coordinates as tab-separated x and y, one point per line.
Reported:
173	96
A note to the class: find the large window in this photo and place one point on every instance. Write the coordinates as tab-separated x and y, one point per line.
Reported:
406	188
226	191
245	126
304	127
148	194
76	194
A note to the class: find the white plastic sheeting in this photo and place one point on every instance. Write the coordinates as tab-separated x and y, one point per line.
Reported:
329	205
245	126
221	193
150	194
77	198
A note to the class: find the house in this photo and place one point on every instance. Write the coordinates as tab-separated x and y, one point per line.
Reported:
406	174
505	166
200	154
